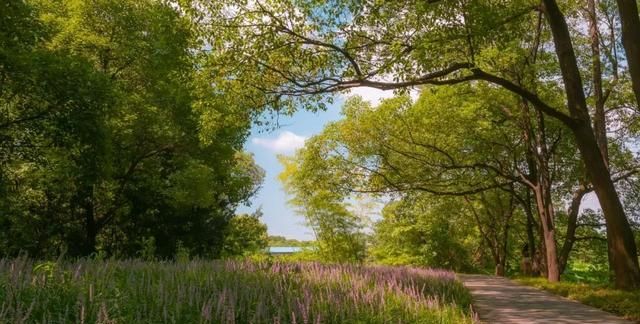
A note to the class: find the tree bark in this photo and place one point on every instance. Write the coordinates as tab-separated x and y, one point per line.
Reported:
528	268
631	41
545	211
572	224
599	121
620	238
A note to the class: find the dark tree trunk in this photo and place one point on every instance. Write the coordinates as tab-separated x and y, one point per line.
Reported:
631	41
572	223
531	224
504	253
620	239
530	255
91	227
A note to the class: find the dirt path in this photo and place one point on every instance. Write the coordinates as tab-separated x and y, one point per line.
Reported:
499	300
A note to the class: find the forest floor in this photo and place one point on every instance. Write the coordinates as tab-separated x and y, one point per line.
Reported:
500	300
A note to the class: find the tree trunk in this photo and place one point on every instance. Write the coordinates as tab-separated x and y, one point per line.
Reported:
599	120
91	227
619	235
500	268
631	41
545	211
530	253
572	224
620	239
540	183
541	257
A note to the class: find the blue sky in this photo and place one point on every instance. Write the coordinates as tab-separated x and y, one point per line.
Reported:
266	145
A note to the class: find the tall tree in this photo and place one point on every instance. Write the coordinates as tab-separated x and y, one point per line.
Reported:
631	41
295	53
112	135
337	229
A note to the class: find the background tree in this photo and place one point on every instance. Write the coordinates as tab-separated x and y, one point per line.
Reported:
245	234
338	231
427	230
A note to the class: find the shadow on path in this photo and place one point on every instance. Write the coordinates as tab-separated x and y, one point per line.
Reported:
499	300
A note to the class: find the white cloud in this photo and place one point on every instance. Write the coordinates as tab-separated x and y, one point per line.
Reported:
374	95
286	142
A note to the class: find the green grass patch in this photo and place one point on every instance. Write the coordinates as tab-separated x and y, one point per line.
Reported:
619	302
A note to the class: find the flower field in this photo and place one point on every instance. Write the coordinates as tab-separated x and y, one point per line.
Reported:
226	292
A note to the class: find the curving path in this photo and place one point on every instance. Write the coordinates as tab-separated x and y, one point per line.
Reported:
500	300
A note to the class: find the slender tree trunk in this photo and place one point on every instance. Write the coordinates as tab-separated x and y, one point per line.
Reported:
545	211
599	120
501	266
530	253
497	244
631	41
531	224
504	249
91	227
572	224
624	258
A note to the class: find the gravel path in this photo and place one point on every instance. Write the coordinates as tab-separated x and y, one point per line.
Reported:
500	300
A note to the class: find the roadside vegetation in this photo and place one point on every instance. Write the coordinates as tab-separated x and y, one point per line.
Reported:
600	295
227	292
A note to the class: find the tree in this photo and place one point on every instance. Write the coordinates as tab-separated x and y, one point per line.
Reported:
338	231
295	53
109	128
245	234
425	230
494	217
631	41
277	240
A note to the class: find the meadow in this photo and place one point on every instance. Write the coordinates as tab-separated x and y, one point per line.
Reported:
198	291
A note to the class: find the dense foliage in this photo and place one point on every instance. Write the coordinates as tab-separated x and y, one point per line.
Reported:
111	137
245	235
227	292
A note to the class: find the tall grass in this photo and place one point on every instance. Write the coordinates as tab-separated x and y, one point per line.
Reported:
226	292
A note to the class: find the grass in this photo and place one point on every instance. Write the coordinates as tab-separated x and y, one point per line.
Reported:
619	302
227	292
